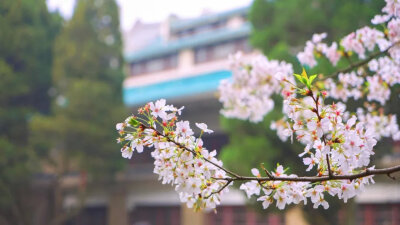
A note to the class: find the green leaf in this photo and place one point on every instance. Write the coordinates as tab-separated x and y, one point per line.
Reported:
298	77
304	73
312	78
301	79
286	169
133	122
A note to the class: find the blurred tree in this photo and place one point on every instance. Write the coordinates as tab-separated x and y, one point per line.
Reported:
27	35
87	77
280	30
264	144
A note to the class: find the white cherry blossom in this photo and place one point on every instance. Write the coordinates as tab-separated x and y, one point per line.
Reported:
204	128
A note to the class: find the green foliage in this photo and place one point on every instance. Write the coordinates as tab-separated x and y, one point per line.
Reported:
26	49
15	161
27	35
83	68
90	46
87	76
252	144
15	174
281	28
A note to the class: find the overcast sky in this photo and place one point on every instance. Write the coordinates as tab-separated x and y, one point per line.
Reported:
155	10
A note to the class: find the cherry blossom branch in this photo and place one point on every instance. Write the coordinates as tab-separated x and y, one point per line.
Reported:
266	171
189	150
270	177
219	190
329	166
316	101
362	62
200	184
347	56
368	172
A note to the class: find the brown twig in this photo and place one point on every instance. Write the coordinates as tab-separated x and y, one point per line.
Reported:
189	150
313	179
266	171
316	101
329	166
348	59
391	177
219	190
362	62
236	177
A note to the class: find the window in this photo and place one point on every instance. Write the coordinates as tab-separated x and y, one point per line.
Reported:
382	214
154	65
137	68
221	50
201	54
155	215
90	215
242	215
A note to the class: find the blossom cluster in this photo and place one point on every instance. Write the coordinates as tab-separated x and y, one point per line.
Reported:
179	157
391	16
248	94
288	192
334	144
350	86
364	39
381	124
383	71
316	47
348	144
382	74
284	193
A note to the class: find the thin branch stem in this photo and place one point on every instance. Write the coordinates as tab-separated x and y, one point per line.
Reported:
266	171
235	177
362	62
316	101
313	179
189	150
329	166
348	59
219	190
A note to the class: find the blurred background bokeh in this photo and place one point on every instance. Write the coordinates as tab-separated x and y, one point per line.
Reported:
71	69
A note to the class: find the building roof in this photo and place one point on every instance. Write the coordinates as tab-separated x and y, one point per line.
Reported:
178	25
141	34
160	47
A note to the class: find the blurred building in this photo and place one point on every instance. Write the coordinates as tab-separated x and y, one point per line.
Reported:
380	202
183	61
